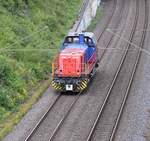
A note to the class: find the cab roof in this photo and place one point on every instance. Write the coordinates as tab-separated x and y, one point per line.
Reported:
88	34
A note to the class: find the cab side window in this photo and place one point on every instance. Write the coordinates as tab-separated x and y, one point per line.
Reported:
68	40
75	39
89	42
72	39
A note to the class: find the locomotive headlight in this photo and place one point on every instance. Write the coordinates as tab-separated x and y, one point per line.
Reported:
58	83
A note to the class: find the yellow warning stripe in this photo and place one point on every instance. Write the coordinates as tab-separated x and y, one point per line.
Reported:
84	84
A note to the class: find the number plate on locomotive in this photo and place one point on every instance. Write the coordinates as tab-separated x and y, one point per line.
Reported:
69	87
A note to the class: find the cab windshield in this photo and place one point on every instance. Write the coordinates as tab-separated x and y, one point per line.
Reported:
75	39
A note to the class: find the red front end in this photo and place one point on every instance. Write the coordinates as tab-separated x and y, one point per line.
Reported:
71	63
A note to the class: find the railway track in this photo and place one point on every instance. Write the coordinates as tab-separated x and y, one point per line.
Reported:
133	73
110	37
63	119
71	105
107	24
43	118
101	119
49	112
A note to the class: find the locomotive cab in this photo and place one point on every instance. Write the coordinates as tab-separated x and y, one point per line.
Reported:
75	63
90	41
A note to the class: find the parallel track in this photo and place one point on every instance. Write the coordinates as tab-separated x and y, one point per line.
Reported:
63	119
133	73
107	25
102	108
39	123
41	119
37	126
114	7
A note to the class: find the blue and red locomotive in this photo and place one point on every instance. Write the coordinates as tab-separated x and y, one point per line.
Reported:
76	63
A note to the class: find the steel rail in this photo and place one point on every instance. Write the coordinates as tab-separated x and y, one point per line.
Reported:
132	75
114	8
64	117
111	39
47	112
119	22
41	119
115	78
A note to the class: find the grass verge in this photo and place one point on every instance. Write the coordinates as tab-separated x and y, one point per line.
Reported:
14	118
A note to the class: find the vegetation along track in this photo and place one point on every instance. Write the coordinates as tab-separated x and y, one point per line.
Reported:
108	118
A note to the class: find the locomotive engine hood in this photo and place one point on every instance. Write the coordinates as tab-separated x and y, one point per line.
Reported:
71	61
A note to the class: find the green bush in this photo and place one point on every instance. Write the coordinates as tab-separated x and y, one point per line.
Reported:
28	25
12	87
3	113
